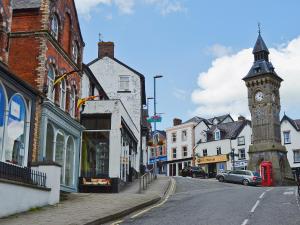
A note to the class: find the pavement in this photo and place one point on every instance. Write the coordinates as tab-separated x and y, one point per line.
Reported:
93	208
209	202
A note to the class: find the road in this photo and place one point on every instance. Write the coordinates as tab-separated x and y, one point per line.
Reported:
209	202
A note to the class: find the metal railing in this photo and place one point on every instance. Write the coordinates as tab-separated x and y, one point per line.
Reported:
146	179
22	174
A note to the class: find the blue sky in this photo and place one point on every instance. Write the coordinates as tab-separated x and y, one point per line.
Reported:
199	46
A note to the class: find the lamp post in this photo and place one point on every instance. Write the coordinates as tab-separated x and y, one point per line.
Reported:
154	79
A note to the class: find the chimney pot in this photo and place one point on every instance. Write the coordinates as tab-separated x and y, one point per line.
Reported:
106	49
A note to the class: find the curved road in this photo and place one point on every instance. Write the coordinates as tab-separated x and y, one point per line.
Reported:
209	202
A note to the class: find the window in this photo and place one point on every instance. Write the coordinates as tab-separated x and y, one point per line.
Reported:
72	102
54	27
69	167
160	148
173	137
59	153
15	141
296	156
49	142
124	83
242	154
241	141
2	119
152	152
219	151
63	95
184	135
184	151
51	77
204	152
217	135
174	153
75	52
287	137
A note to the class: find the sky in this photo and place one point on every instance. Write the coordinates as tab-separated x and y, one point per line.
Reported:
203	49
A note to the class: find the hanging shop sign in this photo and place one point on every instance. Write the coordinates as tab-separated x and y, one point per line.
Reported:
154	119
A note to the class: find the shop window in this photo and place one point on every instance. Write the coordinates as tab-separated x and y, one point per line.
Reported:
59	152
124	83
72	102
184	135
69	167
16	134
174	137
242	153
2	116
95	154
296	156
63	95
174	153
51	77
184	151
54	27
204	152
49	142
219	152
287	137
241	141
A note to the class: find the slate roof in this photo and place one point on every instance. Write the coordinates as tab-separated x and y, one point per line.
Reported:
294	123
228	130
195	119
219	118
260	45
26	4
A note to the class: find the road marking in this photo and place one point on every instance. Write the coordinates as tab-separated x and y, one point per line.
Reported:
270	189
262	195
254	207
288	193
172	189
245	222
117	222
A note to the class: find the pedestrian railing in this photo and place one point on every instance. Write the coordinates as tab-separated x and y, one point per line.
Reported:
22	174
146	179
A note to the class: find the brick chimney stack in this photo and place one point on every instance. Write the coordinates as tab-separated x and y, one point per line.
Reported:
177	122
106	49
241	118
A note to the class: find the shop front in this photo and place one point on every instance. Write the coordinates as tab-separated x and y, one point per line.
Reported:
212	164
161	164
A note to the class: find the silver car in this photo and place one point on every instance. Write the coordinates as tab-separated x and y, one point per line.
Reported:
245	177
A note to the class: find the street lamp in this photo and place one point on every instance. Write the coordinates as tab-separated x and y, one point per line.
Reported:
154	79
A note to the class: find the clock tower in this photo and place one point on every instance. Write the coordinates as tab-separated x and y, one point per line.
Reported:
263	85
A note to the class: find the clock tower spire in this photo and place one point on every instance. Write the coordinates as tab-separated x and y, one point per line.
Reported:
263	86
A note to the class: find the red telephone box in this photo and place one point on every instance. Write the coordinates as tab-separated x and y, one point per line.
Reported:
266	173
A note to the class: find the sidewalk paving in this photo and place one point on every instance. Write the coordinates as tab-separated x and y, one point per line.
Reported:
93	208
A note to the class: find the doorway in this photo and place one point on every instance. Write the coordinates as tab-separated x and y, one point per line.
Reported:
212	170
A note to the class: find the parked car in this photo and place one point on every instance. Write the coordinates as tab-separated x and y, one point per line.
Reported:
193	171
222	173
245	177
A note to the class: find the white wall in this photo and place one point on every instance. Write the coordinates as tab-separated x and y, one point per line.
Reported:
85	86
295	141
246	132
199	132
18	198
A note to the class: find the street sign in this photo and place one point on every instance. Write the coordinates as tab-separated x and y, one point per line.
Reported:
154	119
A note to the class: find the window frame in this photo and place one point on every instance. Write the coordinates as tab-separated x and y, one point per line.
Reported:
174	137
50	83
219	150
174	153
184	137
184	151
289	137
72	109
63	95
124	85
241	154
204	152
75	52
294	151
217	135
54	30
240	143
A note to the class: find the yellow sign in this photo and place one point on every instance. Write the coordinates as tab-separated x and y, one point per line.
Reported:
211	159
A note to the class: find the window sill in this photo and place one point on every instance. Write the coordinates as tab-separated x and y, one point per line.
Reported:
123	91
241	144
288	143
296	162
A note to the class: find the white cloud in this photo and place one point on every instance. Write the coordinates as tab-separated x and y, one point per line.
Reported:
221	89
167	6
180	94
218	50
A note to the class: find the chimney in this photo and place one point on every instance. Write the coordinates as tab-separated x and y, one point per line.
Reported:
106	49
177	122
241	118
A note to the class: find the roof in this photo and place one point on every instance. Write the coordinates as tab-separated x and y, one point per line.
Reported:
294	123
161	132
26	4
228	130
132	70
260	45
195	119
219	118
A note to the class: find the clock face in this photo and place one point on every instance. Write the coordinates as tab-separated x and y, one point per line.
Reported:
259	96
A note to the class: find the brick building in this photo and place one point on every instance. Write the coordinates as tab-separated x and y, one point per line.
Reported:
46	41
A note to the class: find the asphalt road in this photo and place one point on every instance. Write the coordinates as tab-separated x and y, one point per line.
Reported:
209	202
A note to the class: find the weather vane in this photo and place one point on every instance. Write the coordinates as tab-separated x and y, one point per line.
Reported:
259	27
100	37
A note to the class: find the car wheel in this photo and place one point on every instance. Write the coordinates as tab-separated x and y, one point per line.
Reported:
245	182
221	179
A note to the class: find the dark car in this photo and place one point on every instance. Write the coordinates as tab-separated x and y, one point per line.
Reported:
193	171
245	177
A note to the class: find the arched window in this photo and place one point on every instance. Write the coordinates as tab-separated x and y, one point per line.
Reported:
2	116
16	135
75	51
69	170
60	149
54	27
67	34
72	102
63	95
49	142
51	77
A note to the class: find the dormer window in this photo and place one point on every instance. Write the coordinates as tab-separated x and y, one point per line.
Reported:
54	27
217	135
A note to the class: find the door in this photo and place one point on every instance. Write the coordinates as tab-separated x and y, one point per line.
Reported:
212	170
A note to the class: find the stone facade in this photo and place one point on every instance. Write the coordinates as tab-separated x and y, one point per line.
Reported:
5	27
